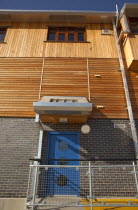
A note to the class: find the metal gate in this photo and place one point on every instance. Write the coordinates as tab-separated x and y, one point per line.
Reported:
100	185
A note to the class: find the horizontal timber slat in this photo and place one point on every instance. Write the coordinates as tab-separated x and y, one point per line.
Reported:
20	84
132	79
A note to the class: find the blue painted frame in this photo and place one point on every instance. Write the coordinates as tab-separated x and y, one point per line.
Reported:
62	132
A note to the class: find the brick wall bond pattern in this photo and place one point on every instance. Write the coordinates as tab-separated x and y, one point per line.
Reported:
103	142
19	142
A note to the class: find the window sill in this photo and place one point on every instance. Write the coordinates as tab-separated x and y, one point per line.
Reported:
67	42
107	34
3	42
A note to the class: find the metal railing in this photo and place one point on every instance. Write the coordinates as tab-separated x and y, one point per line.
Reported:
88	184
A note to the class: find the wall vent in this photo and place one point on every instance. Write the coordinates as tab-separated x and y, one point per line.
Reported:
121	126
63	100
106	31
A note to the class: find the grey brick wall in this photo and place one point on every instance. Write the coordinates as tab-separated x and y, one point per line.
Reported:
104	141
108	139
19	142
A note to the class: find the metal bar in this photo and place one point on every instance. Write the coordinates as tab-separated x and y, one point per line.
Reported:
135	174
83	166
88	77
34	183
29	182
41	79
94	205
37	179
37	121
61	205
40	144
90	184
117	15
93	159
87	186
130	112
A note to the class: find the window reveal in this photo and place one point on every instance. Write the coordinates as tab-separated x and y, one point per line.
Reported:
2	34
134	25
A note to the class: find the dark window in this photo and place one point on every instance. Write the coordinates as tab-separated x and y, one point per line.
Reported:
61	37
80	37
67	34
2	34
134	25
71	37
51	34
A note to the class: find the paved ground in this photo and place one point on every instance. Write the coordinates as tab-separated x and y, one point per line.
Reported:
12	203
19	204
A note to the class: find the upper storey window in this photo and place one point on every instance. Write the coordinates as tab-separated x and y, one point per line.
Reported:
134	25
66	34
2	34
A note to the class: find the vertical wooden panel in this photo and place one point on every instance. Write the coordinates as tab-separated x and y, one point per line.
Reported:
27	40
24	40
127	49
129	46
134	45
99	46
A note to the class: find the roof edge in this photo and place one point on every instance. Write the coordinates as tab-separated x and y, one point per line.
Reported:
55	11
127	5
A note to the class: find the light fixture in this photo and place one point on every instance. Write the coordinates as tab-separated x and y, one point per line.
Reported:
85	129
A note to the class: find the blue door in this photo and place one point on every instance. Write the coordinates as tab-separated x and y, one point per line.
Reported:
63	146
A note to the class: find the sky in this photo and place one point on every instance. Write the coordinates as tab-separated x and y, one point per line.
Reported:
91	5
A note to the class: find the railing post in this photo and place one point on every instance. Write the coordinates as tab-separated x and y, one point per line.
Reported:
90	184
29	179
136	179
35	182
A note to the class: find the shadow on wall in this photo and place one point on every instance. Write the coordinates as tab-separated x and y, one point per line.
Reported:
108	139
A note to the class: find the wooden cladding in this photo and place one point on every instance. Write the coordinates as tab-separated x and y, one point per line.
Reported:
129	46
76	77
132	79
65	77
23	80
70	118
107	90
66	34
19	86
98	46
30	40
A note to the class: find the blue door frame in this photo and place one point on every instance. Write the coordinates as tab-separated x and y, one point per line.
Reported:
63	181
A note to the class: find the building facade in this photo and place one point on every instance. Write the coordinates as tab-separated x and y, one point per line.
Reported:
68	102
